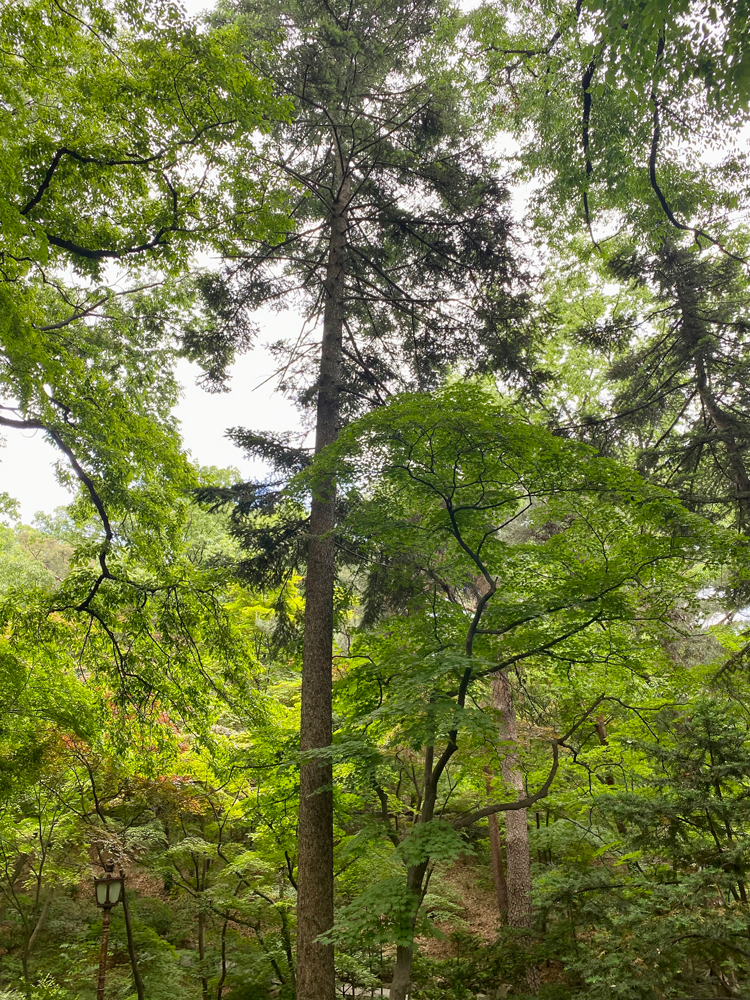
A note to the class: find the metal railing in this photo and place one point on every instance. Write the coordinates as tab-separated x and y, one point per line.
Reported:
362	992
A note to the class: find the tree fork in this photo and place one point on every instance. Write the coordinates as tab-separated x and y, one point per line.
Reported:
316	979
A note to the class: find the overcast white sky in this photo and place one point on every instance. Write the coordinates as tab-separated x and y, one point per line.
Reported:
27	462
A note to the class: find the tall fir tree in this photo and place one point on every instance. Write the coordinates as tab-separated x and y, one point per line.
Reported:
400	248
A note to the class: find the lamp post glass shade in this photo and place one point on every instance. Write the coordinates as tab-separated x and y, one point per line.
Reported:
108	889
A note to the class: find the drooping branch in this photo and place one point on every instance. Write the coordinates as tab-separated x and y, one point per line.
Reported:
529	53
524	803
100	161
588	76
666	207
542	648
91	489
86	479
21	425
731	663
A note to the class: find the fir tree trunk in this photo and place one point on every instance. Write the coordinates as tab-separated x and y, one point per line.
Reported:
517	853
315	962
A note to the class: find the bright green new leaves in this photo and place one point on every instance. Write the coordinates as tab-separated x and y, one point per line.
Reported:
118	122
494	545
129	134
711	41
511	543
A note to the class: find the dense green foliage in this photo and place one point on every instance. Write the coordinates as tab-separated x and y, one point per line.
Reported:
542	467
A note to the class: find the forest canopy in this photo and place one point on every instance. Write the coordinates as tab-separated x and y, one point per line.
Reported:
451	701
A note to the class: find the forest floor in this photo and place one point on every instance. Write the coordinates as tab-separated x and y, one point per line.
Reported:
472	888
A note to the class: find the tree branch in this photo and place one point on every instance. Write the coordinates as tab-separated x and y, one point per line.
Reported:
529	800
666	207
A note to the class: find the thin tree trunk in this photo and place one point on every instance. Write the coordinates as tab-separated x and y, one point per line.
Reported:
414	883
496	853
202	953
285	937
601	732
131	944
220	987
405	953
31	941
316	979
517	853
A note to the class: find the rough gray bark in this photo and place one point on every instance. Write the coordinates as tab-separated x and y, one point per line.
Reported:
315	962
402	972
517	854
496	854
518	858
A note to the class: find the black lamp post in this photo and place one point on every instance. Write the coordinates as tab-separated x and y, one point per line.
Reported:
108	894
110	890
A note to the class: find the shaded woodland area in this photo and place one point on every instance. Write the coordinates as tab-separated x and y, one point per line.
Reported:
452	703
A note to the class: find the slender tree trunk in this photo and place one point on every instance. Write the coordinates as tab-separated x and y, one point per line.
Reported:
286	938
202	953
405	953
601	732
517	853
414	883
131	944
3	907
31	941
222	979
498	872
316	978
